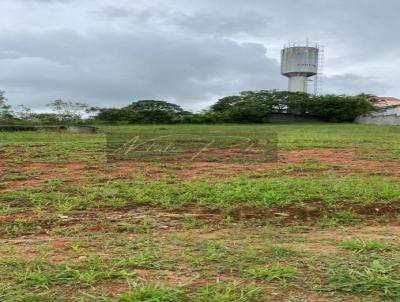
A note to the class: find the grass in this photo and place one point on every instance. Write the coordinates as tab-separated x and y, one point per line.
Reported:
273	273
345	216
145	259
219	292
241	191
150	293
63	147
39	273
360	245
227	292
377	277
76	227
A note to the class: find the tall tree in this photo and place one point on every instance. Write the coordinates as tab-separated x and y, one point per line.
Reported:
5	109
154	111
24	113
68	111
256	106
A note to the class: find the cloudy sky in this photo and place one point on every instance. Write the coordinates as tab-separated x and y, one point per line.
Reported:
111	52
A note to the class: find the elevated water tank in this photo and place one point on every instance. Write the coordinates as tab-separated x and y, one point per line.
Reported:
298	63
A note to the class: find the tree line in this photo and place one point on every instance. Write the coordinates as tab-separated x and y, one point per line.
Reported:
246	107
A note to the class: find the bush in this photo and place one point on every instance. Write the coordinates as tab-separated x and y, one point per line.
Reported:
144	112
247	107
256	106
340	108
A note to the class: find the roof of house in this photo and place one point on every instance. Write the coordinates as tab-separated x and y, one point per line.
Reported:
387	101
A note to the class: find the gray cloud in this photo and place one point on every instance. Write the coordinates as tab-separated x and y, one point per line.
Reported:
113	69
353	84
110	53
224	25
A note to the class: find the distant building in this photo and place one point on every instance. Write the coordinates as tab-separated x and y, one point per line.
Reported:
387	101
388	114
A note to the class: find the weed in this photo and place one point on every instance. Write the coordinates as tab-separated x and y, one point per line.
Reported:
273	273
213	250
146	259
308	166
378	277
360	245
282	252
17	294
151	293
143	225
19	226
345	216
190	222
38	273
227	292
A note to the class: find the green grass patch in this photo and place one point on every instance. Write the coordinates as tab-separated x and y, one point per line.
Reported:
227	292
378	277
146	259
151	293
39	273
258	193
273	273
360	245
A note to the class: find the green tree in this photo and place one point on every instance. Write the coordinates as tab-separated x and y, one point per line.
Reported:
68	111
256	106
244	108
113	115
45	118
6	112
247	107
227	103
24	113
154	111
341	108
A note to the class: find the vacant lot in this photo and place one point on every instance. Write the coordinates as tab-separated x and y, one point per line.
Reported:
319	223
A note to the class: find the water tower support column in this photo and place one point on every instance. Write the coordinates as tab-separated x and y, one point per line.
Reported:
298	84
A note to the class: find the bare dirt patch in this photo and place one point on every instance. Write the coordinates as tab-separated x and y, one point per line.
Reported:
30	247
314	247
201	234
376	232
386	229
45	172
315	210
113	287
343	161
19	216
343	156
180	278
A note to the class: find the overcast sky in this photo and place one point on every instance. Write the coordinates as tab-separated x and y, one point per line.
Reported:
111	52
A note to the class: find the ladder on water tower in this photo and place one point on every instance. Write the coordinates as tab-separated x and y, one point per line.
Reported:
318	79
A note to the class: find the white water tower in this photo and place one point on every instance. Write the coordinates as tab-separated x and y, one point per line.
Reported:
298	64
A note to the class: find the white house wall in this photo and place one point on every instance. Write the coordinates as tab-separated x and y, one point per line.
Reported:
388	116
